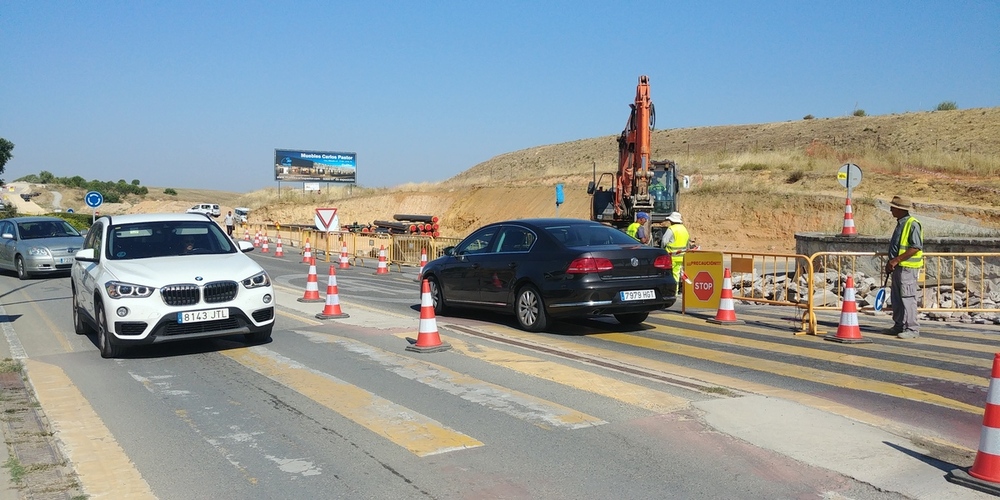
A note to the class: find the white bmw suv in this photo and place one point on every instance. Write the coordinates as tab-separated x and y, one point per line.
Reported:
151	278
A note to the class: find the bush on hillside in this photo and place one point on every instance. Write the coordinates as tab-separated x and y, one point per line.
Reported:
170	191
947	106
859	112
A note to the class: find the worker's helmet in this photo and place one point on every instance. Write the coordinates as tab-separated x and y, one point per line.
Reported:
675	217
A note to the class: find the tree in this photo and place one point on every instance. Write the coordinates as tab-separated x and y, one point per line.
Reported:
5	148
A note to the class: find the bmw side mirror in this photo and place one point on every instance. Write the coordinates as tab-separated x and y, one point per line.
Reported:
86	255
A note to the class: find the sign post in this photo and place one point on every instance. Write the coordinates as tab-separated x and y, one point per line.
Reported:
93	200
849	176
560	197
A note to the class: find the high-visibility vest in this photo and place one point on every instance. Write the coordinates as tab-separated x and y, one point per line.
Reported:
916	260
681	238
633	229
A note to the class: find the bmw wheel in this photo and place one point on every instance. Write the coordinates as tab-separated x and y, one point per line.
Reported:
22	273
79	325
104	342
259	337
530	310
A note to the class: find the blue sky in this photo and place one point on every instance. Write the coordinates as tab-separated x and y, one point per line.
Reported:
199	94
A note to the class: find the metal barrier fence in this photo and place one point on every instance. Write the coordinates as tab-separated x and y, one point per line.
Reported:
953	286
401	249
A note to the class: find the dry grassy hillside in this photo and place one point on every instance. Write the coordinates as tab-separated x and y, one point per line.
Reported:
753	186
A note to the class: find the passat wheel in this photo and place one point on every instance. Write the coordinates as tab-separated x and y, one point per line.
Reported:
631	318
438	295
108	348
530	310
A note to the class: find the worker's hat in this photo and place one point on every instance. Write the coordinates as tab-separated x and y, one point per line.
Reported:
642	215
675	217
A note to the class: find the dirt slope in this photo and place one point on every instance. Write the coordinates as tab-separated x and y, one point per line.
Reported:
752	186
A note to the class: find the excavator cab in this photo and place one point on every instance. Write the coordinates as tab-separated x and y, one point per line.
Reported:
663	189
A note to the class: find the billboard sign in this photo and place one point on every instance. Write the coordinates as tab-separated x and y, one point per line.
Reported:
315	166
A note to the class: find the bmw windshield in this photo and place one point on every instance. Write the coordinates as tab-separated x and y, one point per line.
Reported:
163	239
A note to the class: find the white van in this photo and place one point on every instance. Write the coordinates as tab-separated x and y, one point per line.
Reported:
206	208
241	214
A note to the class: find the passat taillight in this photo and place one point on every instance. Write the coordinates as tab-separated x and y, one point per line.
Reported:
586	265
663	262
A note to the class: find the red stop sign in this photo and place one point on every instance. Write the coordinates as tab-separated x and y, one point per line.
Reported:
703	285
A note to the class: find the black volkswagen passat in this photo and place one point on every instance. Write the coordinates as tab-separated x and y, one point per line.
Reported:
541	269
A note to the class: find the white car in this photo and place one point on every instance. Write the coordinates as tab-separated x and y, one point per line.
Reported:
206	208
151	278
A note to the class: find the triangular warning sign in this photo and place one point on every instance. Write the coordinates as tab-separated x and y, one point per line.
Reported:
326	215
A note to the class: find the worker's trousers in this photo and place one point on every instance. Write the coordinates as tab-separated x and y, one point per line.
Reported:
903	297
678	263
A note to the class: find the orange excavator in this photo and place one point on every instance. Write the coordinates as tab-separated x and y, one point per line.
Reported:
640	184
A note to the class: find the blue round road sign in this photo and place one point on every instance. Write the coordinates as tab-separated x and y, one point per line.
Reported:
93	199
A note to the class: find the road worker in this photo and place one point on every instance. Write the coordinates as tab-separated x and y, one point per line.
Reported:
638	229
676	240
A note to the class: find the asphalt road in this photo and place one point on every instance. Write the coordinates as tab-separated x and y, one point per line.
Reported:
337	408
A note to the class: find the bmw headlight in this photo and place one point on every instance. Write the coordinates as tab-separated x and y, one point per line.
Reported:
120	290
39	252
257	280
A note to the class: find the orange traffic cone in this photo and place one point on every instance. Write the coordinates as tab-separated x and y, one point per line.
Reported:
382	267
423	262
278	252
985	472
849	229
332	308
256	239
344	261
307	253
246	234
848	332
312	287
428	339
726	315
263	244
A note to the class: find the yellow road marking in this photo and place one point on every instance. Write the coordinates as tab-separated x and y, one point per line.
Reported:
538	411
836	357
811	375
895	346
791	371
102	466
417	433
633	394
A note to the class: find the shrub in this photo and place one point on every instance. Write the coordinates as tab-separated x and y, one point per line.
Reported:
753	167
859	112
170	191
947	106
808	117
794	177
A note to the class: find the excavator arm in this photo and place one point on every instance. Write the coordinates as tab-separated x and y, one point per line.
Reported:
632	185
